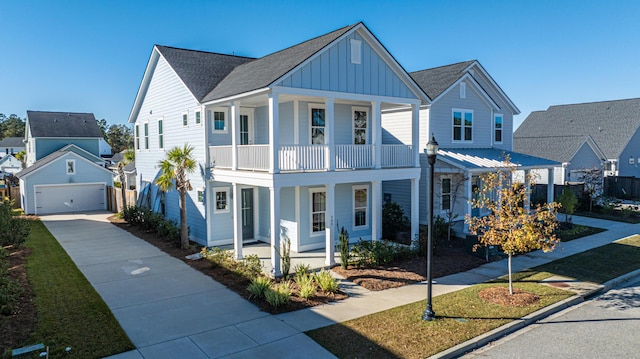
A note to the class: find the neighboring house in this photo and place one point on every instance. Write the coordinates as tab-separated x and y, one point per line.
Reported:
471	118
11	145
104	148
602	135
9	164
64	170
289	145
129	170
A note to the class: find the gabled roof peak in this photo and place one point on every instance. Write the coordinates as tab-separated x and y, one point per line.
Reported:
201	51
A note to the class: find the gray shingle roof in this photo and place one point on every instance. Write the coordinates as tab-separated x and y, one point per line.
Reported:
200	71
62	124
41	162
264	71
559	149
12	142
436	80
611	124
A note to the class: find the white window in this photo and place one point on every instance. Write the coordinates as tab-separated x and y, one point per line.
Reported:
160	134
317	125
146	135
71	167
360	206
462	125
185	119
360	119
221	198
463	90
198	117
356	51
200	193
318	211
216	120
445	190
137	134
497	128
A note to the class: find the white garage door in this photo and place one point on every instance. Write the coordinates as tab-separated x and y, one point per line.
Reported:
70	198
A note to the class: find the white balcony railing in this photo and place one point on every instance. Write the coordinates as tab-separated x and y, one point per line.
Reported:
311	157
302	157
396	156
221	156
253	157
354	156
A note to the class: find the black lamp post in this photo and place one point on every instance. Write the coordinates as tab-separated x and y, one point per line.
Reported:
432	152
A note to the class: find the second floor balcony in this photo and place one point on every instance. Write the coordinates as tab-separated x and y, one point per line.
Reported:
303	158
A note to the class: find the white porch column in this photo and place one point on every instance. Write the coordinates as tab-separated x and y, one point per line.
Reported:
415	208
329	223
550	185
376	210
274	142
274	224
527	190
329	134
468	190
235	133
237	222
415	134
376	134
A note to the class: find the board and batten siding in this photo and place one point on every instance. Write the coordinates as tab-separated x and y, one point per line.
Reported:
167	98
631	151
332	70
55	173
584	159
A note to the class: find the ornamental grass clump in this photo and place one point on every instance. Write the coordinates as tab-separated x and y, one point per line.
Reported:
217	257
279	294
306	285
326	281
258	286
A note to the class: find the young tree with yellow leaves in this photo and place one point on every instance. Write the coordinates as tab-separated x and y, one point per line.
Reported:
509	224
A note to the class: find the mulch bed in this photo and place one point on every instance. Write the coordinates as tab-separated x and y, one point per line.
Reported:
448	260
17	325
501	296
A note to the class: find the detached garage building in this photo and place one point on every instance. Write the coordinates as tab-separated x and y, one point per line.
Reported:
70	178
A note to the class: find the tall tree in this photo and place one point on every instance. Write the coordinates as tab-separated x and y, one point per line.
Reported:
103	125
509	224
173	172
12	126
119	137
128	156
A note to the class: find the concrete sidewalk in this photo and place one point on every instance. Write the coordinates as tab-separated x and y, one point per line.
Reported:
168	309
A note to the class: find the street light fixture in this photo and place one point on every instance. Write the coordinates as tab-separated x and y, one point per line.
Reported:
432	152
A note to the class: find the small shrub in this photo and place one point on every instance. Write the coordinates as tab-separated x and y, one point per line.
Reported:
249	267
13	230
301	269
627	212
169	230
393	220
372	253
279	294
218	257
326	282
9	288
259	285
306	286
151	220
343	239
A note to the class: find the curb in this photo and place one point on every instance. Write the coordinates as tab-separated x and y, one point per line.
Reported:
532	318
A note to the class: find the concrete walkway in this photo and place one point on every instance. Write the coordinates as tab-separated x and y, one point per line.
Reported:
170	310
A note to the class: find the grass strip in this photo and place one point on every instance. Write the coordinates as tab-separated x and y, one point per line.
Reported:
577	231
462	315
70	312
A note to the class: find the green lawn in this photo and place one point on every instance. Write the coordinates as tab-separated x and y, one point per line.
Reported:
461	315
70	311
577	231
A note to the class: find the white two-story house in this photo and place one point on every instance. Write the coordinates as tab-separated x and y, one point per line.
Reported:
471	118
289	145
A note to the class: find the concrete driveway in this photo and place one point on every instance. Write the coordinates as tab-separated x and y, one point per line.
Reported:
168	309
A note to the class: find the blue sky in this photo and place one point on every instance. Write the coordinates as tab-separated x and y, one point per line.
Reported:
89	56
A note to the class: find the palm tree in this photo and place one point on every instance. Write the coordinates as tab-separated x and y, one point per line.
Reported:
178	163
128	156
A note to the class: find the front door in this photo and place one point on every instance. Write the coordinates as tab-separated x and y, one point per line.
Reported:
247	213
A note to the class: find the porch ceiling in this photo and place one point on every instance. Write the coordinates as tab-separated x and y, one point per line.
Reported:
477	159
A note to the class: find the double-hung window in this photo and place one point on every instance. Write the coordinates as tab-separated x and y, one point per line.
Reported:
462	125
445	184
219	123
160	134
185	119
317	126
318	211
360	116
222	199
198	117
497	128
360	206
146	135
137	134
